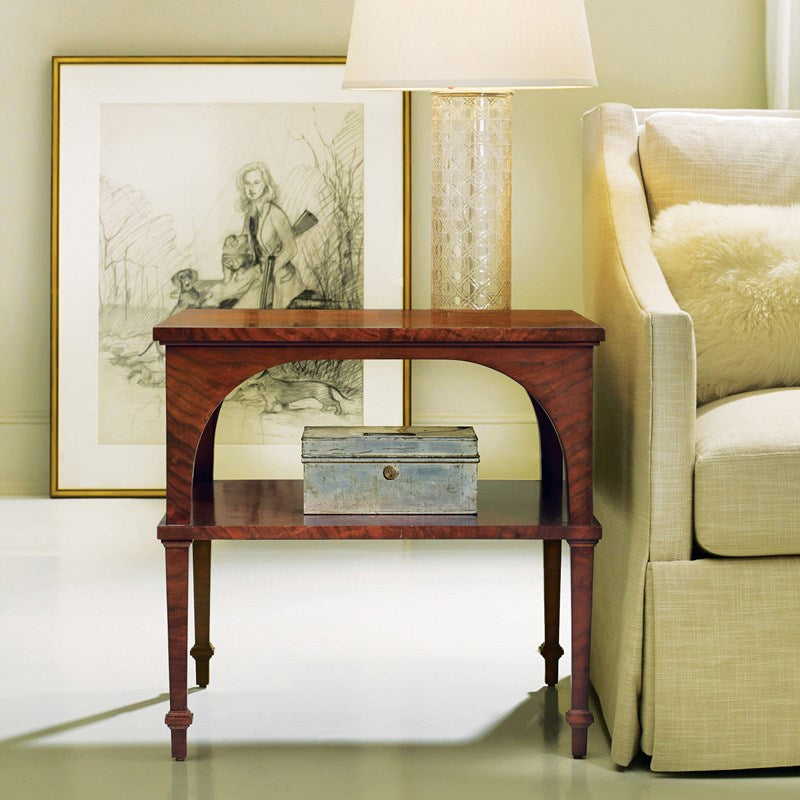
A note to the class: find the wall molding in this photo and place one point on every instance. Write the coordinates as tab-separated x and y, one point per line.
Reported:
472	418
25	419
480	418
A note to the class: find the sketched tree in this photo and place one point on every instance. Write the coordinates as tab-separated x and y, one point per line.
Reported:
337	259
138	251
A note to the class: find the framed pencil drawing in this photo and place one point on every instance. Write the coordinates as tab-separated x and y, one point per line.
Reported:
216	183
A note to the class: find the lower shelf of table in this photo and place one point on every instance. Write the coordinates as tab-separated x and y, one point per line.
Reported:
273	509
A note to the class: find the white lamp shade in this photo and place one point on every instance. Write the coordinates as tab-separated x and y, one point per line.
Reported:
468	45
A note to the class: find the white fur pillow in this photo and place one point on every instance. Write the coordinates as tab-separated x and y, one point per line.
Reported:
736	270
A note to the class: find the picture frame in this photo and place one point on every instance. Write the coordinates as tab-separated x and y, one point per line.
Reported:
175	182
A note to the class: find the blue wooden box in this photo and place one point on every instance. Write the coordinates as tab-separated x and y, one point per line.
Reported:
384	470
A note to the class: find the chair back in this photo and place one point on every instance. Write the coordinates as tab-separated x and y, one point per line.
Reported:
727	157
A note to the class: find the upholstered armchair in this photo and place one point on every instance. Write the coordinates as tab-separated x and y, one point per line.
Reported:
696	620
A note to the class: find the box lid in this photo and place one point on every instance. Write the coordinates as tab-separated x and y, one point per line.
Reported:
396	443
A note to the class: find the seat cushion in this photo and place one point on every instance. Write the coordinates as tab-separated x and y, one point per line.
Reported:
747	474
716	158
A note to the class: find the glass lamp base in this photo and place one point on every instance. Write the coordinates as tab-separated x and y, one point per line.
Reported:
471	211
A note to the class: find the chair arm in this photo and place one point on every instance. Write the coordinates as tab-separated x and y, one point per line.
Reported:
646	384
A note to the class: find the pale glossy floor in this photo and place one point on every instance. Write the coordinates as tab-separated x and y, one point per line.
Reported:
382	671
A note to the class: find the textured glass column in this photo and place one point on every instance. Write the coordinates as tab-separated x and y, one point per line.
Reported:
471	201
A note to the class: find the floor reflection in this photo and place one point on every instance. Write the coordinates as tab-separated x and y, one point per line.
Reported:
363	671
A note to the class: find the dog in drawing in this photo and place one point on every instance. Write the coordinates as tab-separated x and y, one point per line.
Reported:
186	290
280	395
189	295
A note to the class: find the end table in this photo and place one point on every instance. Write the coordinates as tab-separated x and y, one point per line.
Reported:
209	352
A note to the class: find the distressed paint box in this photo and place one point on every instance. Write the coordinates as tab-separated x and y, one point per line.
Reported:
384	470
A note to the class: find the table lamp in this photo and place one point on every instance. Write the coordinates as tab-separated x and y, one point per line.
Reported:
471	54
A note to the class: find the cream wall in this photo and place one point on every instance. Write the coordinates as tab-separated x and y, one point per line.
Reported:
655	53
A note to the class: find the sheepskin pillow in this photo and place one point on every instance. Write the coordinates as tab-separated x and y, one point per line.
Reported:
736	270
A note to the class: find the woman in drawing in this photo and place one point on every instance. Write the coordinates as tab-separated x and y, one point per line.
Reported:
271	239
257	266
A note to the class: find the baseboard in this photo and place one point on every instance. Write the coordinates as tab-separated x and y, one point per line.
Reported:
25	439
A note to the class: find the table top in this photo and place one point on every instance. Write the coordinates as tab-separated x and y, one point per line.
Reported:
419	326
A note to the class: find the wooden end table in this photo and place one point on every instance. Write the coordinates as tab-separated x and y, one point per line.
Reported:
210	352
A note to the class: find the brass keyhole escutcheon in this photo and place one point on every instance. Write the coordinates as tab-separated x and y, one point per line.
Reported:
390	472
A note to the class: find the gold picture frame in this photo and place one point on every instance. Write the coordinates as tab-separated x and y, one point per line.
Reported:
136	142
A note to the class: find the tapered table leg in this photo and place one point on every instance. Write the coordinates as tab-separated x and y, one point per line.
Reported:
550	649
178	717
201	575
579	717
550	504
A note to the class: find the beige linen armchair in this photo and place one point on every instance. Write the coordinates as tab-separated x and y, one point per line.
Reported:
696	619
